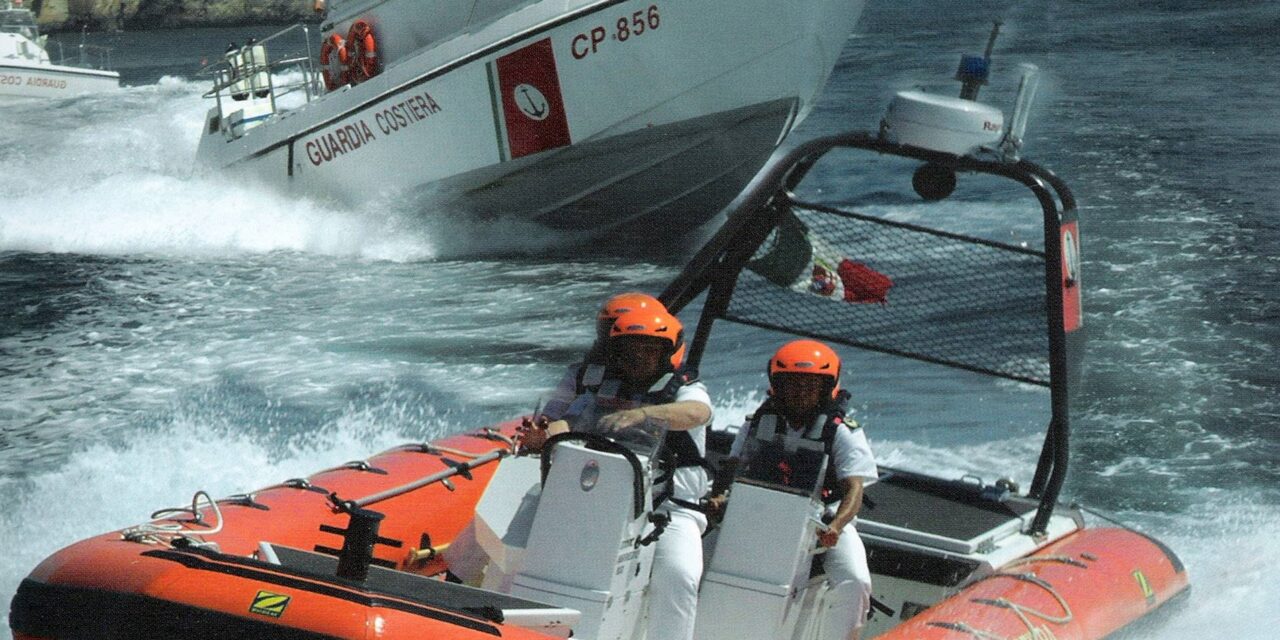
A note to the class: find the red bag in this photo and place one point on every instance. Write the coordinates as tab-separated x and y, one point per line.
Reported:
862	283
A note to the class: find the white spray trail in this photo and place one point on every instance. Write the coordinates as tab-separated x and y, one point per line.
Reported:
116	175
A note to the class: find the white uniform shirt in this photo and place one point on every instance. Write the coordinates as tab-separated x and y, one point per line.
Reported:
692	483
564	393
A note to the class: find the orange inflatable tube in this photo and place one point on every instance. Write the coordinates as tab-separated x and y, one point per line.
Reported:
1088	585
110	587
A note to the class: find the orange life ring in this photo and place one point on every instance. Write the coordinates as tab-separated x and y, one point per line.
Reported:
362	52
334	78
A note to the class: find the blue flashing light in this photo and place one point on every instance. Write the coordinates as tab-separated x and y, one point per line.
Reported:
973	68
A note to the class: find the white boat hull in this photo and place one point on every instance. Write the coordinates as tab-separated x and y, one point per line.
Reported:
569	119
20	80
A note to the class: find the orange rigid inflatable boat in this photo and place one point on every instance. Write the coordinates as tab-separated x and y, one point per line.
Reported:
1086	585
364	551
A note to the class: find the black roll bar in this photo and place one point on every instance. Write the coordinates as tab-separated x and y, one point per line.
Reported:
716	266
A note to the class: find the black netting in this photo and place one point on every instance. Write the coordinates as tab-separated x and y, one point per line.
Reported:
953	300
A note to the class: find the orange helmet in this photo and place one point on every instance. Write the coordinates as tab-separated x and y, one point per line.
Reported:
620	304
652	323
808	357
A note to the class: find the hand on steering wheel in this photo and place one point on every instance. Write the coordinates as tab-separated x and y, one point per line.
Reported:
532	432
622	420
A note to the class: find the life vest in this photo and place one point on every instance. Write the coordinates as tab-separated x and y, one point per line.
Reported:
786	456
598	394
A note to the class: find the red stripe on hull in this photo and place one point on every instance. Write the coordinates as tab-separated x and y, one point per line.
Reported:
532	105
1072	315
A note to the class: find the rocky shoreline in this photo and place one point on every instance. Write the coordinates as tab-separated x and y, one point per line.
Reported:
64	15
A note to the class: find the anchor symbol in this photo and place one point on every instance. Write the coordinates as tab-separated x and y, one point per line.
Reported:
538	112
535	104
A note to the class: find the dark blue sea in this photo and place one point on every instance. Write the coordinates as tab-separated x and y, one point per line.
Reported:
164	331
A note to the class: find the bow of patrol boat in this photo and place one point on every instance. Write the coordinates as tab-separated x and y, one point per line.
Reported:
581	115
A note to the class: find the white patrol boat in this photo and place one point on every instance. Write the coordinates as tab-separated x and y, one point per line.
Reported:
575	114
27	71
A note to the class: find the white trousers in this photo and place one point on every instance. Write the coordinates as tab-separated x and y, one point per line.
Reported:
850	579
673	585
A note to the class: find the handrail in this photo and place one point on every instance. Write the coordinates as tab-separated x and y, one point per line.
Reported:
225	75
459	469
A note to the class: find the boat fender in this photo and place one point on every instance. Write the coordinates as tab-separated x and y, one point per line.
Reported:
237	85
335	75
362	52
254	59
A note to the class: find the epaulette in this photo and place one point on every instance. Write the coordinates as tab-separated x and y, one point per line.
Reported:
848	422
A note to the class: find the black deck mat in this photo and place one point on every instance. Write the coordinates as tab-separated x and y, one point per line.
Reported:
947	509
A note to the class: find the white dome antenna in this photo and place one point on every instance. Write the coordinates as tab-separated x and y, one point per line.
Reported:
959	126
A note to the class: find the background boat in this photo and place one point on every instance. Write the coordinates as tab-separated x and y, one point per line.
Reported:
147	311
32	67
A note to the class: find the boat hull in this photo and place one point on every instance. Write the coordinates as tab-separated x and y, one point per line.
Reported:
108	587
20	81
187	594
663	178
560	117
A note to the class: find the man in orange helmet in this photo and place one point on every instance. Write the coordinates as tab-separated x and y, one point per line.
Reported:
590	372
641	381
616	306
806	404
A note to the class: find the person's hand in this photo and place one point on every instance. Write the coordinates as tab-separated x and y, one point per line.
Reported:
621	420
714	507
532	433
828	538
